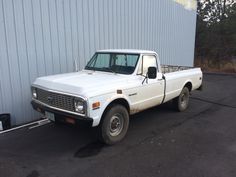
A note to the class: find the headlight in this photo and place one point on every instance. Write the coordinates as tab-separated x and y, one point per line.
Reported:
79	106
34	93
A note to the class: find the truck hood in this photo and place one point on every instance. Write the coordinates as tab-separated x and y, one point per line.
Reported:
85	83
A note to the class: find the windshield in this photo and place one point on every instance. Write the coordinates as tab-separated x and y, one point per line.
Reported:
113	62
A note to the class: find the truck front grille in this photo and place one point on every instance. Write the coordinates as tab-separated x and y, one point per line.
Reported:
56	100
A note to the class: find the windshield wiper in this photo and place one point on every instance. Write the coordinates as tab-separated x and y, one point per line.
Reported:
90	68
100	69
108	69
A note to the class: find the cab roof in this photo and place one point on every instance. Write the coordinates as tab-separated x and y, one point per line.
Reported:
131	51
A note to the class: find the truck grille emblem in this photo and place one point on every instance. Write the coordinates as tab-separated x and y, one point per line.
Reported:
50	100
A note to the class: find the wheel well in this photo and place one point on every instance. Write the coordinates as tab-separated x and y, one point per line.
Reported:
189	86
120	101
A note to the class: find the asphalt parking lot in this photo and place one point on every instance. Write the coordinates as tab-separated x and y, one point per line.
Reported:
200	142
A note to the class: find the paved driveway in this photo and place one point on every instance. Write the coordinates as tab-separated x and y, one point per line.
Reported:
160	142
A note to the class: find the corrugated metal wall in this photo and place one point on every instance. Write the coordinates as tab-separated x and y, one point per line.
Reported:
43	37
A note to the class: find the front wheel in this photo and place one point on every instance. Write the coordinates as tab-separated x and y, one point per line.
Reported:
114	125
182	101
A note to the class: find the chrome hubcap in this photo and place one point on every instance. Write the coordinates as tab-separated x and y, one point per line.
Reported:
116	125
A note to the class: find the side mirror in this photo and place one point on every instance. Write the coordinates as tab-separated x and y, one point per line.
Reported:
152	72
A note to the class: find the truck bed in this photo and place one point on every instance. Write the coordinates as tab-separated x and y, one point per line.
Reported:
177	76
171	68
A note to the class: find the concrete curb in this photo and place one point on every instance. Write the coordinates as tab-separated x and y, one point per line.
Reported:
33	124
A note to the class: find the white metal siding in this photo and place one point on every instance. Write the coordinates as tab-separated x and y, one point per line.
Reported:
43	37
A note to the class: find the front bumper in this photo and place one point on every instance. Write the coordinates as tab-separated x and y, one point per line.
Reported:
60	115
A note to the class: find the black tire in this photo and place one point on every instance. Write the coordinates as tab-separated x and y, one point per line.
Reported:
182	101
114	125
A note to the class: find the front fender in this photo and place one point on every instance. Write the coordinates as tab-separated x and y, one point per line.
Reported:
105	101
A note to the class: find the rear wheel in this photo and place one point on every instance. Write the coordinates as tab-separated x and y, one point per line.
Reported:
114	125
182	101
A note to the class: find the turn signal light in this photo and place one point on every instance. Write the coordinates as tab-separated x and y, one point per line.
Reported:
96	105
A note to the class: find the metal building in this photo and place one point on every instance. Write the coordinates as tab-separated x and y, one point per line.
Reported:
43	37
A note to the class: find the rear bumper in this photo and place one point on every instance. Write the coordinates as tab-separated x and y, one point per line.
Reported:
60	115
200	88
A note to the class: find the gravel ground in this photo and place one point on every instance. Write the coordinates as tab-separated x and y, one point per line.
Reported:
200	142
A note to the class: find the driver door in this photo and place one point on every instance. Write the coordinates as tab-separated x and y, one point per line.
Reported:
151	91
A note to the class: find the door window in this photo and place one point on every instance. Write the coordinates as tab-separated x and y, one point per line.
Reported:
147	61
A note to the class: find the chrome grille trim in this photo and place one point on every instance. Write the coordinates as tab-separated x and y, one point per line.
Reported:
75	113
56	100
64	97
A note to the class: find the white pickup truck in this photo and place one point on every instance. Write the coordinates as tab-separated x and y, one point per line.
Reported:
114	85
